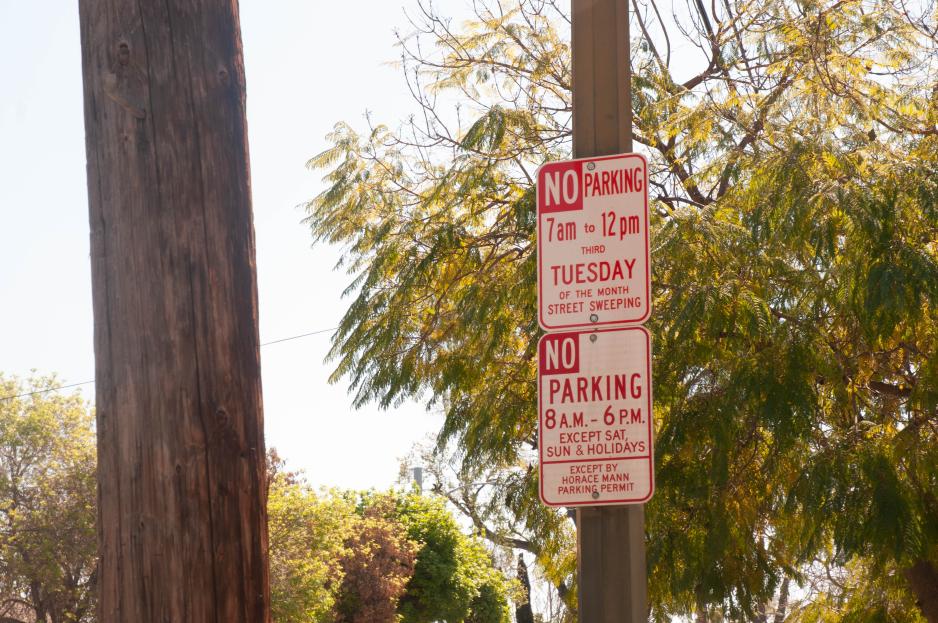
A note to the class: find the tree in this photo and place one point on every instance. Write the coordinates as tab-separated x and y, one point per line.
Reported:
855	593
308	536
454	578
378	563
47	504
335	557
523	611
352	557
510	516
792	149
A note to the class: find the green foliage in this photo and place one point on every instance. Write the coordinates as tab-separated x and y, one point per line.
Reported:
793	173
307	535
378	564
48	550
862	595
503	506
348	557
454	578
335	557
787	375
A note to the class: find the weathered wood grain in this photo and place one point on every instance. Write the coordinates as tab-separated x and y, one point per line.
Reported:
182	518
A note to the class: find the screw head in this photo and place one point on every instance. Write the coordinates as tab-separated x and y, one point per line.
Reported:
592	337
594	318
595	495
590	166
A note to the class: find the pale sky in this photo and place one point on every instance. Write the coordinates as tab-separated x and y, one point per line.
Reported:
309	64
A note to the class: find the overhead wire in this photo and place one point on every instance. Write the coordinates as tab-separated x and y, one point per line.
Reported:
70	385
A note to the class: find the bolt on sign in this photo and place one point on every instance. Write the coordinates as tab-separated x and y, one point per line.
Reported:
592	242
595	417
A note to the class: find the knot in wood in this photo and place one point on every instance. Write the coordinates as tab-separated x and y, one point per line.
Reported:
123	52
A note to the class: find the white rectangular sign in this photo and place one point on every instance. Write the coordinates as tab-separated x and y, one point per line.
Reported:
592	242
594	417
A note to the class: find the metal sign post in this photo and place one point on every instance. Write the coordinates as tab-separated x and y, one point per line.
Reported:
610	539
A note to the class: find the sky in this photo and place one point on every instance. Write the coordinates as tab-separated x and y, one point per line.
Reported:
309	64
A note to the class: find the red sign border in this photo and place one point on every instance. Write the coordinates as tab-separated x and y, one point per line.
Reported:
651	430
540	309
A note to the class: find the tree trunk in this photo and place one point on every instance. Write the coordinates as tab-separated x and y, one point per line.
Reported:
37	596
181	473
702	614
523	611
782	609
923	579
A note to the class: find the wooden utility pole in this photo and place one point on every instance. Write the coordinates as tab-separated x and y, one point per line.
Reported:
610	539
181	458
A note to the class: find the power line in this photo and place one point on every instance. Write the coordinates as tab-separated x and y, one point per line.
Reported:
53	389
296	337
43	391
